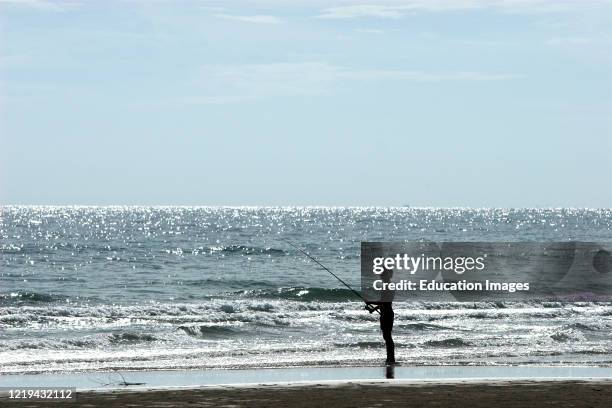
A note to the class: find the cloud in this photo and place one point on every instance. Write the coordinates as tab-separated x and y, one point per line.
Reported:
261	19
394	9
234	83
420	76
42	5
361	11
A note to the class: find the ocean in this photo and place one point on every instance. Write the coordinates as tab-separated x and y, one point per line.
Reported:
152	288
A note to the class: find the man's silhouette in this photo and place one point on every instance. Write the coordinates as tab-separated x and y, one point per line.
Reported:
385	307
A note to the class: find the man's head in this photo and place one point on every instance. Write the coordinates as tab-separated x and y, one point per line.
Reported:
386	275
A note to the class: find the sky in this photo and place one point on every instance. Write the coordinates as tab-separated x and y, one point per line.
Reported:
498	103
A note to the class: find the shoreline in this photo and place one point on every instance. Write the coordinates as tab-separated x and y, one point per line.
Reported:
101	381
340	394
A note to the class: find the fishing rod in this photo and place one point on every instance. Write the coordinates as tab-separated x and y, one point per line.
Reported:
327	269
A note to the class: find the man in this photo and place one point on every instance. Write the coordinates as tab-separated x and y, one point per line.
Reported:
385	308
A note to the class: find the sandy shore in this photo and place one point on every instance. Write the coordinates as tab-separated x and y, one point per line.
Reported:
352	394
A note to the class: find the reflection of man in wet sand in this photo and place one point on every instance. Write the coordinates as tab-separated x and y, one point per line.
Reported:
385	307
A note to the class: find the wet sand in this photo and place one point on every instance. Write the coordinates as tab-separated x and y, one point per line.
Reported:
500	394
163	379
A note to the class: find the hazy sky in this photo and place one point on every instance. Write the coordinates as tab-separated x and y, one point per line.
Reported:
285	102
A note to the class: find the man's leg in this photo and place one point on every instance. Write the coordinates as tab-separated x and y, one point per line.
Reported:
389	345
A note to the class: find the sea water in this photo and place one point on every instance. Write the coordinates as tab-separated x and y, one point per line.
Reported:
104	288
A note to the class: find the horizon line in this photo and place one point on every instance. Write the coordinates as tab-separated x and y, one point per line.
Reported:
304	206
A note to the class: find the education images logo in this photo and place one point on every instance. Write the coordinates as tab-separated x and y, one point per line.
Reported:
477	271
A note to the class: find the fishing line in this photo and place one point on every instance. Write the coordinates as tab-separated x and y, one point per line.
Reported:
327	269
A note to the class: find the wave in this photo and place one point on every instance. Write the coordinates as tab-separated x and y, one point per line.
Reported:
103	249
423	327
375	344
99	316
80	343
262	307
18	298
19	310
246	250
583	327
130	337
209	331
448	343
567	335
590	352
363	344
87	343
303	294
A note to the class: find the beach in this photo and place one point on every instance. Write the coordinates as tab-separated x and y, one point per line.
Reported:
505	386
524	393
